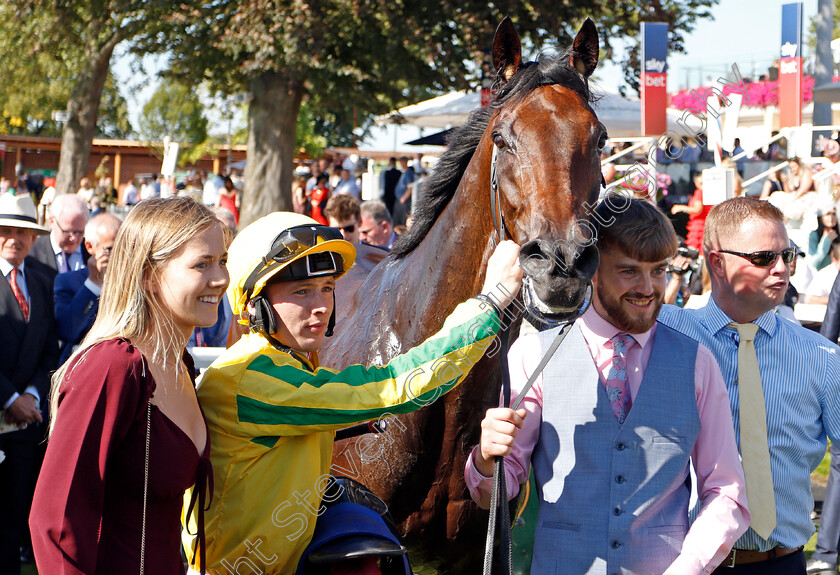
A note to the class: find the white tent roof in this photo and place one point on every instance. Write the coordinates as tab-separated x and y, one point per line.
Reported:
442	112
621	116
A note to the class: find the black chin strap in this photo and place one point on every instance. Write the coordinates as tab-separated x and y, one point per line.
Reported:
285	348
331	323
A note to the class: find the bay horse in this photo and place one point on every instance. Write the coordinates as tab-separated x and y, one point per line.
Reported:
547	143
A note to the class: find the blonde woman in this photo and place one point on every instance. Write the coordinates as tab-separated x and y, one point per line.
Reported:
127	434
801	180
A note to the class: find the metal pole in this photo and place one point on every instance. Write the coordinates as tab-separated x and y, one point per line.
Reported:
229	138
824	68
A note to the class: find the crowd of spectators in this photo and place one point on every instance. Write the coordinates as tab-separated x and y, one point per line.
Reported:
69	253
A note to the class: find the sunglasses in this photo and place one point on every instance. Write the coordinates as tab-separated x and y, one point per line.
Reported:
349	229
289	245
765	259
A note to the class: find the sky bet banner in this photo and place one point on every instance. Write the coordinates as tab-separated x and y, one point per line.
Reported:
654	78
790	66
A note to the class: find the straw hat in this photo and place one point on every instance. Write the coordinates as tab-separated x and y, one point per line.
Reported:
828	147
19	212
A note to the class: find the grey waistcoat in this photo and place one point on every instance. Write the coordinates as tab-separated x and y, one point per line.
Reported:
614	499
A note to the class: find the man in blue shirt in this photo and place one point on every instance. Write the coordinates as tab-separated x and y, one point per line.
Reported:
748	257
740	162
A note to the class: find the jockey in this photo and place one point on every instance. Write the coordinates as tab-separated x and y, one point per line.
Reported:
272	410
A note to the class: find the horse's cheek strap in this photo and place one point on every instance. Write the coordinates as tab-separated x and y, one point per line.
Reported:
495	199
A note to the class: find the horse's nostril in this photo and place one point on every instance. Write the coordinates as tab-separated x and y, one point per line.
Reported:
533	260
586	262
529	249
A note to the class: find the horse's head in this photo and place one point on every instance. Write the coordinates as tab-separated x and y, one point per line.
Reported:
546	159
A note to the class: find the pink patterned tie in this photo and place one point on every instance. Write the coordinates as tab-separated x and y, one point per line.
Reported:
618	391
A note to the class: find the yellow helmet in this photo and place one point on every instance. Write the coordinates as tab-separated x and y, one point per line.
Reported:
273	244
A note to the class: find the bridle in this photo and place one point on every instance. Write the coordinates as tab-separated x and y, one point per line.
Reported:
538	319
495	199
498	498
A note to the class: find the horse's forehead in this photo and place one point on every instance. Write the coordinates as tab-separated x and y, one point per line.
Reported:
571	107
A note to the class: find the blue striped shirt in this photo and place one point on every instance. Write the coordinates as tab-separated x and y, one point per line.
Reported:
800	374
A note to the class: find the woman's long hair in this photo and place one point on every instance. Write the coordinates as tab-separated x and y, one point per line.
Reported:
151	235
821	226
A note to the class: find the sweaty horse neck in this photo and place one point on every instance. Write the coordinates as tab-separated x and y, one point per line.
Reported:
452	257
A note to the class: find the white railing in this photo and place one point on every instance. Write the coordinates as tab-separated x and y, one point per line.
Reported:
641	142
746	184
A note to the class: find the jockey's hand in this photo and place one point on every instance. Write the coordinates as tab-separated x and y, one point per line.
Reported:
498	432
504	276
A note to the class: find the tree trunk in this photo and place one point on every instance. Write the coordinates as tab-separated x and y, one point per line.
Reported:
80	128
272	118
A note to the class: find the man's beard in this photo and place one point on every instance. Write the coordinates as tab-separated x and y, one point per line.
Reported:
621	319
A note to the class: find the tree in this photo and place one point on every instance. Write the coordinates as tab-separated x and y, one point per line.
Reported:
624	23
113	119
371	56
811	37
28	102
307	135
72	42
174	110
35	88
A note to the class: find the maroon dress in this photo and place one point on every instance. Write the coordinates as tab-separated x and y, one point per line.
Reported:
87	512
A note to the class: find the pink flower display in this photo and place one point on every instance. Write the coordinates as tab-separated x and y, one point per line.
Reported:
637	182
761	94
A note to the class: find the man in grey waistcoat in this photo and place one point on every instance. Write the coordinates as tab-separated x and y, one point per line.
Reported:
613	421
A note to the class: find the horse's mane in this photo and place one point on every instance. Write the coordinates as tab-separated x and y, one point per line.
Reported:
440	186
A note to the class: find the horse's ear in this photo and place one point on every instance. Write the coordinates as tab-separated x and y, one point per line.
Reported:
584	54
507	50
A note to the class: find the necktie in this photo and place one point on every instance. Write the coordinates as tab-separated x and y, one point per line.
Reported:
63	263
21	299
755	453
618	391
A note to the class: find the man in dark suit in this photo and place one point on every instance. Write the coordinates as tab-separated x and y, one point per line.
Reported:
28	353
62	250
77	292
390	178
825	557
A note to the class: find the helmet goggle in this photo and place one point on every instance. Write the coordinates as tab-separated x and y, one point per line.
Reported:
290	245
297	240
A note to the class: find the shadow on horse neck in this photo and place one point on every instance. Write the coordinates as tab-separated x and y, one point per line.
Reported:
547	140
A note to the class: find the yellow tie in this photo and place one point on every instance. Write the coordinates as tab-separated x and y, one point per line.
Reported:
755	453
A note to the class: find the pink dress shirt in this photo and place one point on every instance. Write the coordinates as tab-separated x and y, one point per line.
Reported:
721	490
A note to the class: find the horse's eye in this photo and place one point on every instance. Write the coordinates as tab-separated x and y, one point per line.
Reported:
602	141
499	140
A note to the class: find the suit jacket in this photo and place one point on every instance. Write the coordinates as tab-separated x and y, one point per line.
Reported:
831	322
42	252
28	350
75	309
